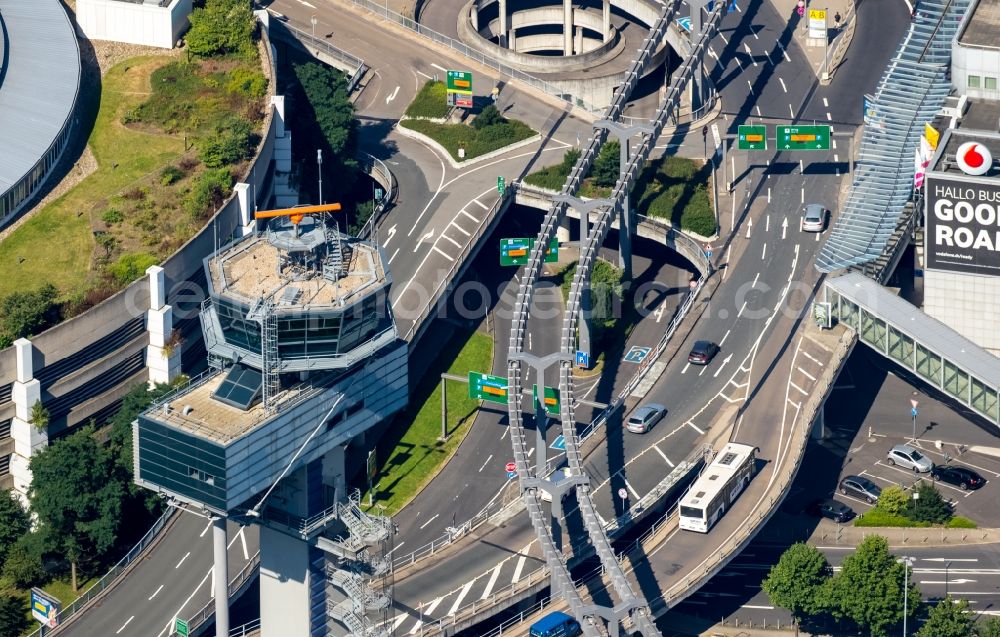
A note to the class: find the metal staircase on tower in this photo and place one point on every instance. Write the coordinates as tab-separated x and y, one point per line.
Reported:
262	311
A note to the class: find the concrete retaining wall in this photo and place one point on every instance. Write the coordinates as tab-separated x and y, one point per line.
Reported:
147	24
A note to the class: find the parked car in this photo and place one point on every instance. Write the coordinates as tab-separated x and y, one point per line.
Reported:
643	418
557	624
961	477
909	458
703	352
813	217
860	487
830	508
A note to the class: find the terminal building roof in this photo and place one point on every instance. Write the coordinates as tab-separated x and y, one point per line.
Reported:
944	159
39	82
984	25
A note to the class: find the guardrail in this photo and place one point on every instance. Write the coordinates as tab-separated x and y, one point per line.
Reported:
199	621
381	174
249	628
111	576
383	11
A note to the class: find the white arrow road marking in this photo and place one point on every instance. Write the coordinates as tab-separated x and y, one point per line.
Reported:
427	236
746	47
391	232
659	311
784	227
718	371
392	96
950	559
952	581
749	227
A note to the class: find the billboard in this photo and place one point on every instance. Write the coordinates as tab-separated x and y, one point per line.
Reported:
963	225
45	608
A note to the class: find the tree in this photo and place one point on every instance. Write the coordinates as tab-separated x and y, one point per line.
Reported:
490	116
796	581
222	27
107	241
14	522
26	313
76	500
929	506
13	613
893	500
39	416
25	564
868	590
605	171
948	618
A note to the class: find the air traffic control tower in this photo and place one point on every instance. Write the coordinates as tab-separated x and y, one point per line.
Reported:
304	359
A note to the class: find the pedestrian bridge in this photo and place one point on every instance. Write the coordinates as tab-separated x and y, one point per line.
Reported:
931	350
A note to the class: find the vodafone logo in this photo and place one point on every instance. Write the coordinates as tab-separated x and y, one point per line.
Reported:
974	158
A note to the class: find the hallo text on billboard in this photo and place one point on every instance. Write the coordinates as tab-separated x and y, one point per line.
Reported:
963	226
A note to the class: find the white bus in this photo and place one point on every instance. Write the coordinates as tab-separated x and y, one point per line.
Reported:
717	487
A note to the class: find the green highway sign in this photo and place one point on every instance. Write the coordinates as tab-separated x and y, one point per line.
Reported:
460	82
501	185
551	399
802	137
180	627
486	387
516	251
752	137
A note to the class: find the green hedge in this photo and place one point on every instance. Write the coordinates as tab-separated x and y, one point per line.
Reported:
431	101
959	522
476	141
877	517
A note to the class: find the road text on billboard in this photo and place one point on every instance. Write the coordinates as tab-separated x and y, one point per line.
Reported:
963	226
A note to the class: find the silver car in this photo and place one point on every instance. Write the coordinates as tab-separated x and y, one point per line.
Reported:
909	458
643	418
813	217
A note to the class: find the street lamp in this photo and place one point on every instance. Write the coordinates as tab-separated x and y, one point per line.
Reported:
319	170
313	21
907	563
947	565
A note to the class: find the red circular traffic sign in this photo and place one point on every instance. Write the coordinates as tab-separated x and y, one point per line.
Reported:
510	467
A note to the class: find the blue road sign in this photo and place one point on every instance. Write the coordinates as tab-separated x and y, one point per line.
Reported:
558	444
582	359
913	412
684	23
512	474
637	354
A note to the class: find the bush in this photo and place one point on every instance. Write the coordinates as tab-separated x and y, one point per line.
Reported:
554	177
430	101
111	216
877	517
929	506
171	175
231	143
209	191
893	500
27	313
24	566
222	27
13	613
248	83
490	116
959	522
130	267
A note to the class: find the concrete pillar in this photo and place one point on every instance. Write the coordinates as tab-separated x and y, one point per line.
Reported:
247	223
163	357
606	20
474	16
503	21
563	232
334	471
221	566
541	423
557	535
578	41
278	102
512	40
819	425
567	27
284	583
28	439
625	221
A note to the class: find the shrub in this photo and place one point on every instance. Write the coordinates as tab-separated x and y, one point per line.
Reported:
959	522
247	82
877	517
929	506
24	566
27	313
208	192
130	267
490	116
111	216
231	143
553	177
430	101
134	194
187	163
893	500
222	27
171	175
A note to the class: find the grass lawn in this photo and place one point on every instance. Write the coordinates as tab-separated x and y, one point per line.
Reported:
56	243
63	591
431	101
413	453
476	141
674	188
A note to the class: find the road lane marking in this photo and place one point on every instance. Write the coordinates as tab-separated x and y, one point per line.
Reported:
429	521
150	598
421	73
442	252
631	489
464	212
829	117
125	624
800	390
485	463
243	540
205	530
460	229
784	52
692	425
826	103
783	87
182	560
392	96
493	581
399	620
767	222
758	111
724	39
725	337
457	244
686	368
303	2
517	569
481	204
748	81
663	455
763	254
461	596
393	255
807	374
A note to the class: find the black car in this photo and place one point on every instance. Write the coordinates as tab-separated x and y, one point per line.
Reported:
860	487
836	511
961	477
703	352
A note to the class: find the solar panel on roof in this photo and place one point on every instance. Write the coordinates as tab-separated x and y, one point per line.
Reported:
241	387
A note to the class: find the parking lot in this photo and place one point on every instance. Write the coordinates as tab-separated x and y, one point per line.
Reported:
868	413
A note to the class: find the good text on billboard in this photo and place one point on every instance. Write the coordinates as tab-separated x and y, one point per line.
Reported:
963	225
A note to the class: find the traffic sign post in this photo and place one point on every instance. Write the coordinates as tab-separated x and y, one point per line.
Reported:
180	627
751	137
459	88
582	359
486	387
516	251
913	414
802	137
501	185
551	400
510	467
623	494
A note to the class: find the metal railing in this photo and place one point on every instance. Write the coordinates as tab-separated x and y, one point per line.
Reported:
320	45
111	576
249	628
236	587
381	174
383	11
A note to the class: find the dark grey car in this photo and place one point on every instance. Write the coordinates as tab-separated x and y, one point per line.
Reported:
860	487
